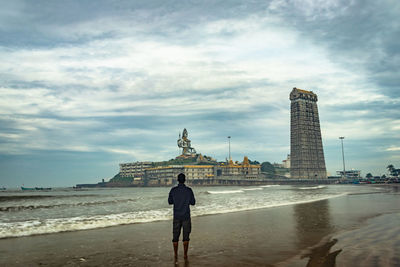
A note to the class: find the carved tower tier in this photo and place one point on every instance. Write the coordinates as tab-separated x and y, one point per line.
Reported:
306	151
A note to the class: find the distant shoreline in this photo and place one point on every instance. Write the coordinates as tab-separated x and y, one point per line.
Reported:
220	182
233	182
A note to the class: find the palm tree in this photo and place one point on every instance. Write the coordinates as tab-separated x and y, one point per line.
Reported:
391	169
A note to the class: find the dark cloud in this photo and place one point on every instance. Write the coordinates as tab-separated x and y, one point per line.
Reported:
37	24
360	36
366	111
145	114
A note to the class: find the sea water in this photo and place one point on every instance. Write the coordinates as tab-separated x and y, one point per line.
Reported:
24	213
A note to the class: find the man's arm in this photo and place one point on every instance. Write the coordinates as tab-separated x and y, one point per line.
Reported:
192	199
170	198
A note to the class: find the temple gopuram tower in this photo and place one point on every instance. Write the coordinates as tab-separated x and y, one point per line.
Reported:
306	151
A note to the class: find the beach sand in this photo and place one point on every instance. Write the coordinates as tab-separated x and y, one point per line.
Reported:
352	230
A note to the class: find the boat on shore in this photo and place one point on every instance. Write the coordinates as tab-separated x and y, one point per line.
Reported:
42	188
36	188
27	188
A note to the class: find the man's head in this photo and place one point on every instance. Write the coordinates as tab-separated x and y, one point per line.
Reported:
181	178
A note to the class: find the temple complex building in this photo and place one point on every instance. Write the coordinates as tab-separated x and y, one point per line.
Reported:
134	169
306	152
202	174
163	175
199	169
286	162
194	172
244	169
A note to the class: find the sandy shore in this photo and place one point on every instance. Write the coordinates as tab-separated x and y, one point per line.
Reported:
375	243
347	230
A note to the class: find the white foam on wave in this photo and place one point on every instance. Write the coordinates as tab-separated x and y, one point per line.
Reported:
270	205
312	187
225	192
37	227
270	185
252	189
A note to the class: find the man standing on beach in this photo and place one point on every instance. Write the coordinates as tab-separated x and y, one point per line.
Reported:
181	197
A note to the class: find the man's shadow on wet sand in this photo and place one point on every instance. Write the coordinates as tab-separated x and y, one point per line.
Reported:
320	256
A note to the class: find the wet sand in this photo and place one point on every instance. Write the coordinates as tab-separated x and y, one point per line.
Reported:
353	230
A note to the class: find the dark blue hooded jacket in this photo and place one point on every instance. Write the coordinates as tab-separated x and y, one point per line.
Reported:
181	196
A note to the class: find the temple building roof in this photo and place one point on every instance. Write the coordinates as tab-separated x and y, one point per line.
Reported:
303	94
304	91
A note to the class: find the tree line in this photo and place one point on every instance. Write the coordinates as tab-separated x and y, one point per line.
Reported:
391	169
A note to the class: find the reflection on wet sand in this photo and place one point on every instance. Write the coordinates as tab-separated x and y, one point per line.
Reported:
313	222
320	256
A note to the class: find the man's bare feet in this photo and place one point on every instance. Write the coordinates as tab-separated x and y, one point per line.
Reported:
185	249
175	244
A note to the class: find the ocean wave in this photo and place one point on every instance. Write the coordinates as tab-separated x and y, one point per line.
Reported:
270	185
25	197
225	192
37	227
312	187
34	207
252	189
367	193
269	205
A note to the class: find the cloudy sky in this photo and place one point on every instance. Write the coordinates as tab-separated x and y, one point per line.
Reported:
86	85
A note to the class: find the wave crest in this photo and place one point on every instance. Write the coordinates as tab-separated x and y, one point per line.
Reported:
312	187
253	189
225	192
26	197
37	227
34	207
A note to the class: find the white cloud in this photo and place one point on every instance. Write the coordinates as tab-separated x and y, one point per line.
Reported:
52	97
104	76
393	148
313	9
357	129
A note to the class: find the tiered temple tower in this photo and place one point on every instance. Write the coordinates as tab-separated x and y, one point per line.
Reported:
306	151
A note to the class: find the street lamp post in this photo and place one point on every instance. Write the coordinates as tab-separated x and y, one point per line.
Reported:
344	166
229	141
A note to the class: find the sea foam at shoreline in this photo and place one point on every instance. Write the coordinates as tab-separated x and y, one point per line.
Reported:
24	214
